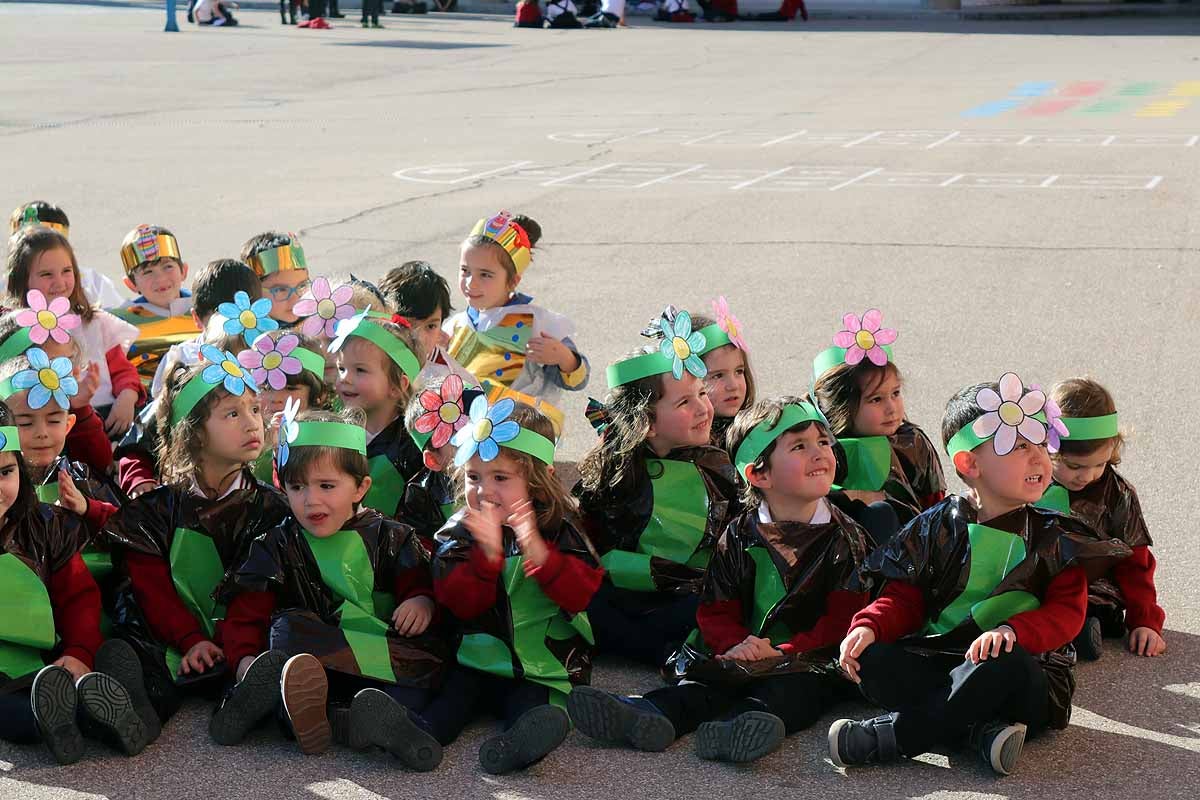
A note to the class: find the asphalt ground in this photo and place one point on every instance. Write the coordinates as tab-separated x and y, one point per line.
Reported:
1012	195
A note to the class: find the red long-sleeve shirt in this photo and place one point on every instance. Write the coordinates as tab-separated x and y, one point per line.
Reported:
134	468
97	514
75	598
470	587
1135	578
722	624
87	442
168	618
123	374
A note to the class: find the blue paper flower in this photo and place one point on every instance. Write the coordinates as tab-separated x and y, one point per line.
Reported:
251	320
289	429
3	441
344	329
224	368
488	429
683	346
46	379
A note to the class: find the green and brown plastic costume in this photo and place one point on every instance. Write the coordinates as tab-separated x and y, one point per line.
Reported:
394	459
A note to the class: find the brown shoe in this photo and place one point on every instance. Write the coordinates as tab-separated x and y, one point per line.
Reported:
305	691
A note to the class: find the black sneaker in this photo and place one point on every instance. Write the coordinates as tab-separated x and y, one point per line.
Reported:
534	735
254	698
1090	641
105	702
117	659
854	743
54	703
747	737
999	744
611	718
378	720
304	688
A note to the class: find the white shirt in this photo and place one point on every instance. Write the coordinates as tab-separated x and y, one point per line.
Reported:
821	516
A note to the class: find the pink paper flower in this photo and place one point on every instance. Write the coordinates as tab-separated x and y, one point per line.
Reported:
727	322
324	308
1055	427
444	413
864	338
271	362
1009	413
47	320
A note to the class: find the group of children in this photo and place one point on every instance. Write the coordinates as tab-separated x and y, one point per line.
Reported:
334	508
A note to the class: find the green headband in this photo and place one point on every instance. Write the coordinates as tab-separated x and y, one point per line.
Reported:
533	444
195	391
762	435
1088	428
829	358
342	435
313	362
234	378
636	368
714	337
10	439
396	350
966	439
7	389
16	344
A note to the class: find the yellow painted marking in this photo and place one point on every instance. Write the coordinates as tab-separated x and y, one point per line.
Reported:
1163	108
1186	89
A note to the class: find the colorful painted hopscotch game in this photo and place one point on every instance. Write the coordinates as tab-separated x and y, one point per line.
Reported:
1143	99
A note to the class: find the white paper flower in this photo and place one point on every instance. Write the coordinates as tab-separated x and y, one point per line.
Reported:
1010	413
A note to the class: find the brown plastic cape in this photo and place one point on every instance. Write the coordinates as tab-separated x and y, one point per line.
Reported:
615	519
916	472
396	445
308	613
424	497
811	562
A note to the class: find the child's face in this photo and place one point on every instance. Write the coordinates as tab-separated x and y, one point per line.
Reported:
10	481
285	288
429	332
233	432
1078	471
52	274
324	499
881	409
801	467
363	377
498	482
726	380
159	281
1015	479
43	430
273	400
482	278
682	416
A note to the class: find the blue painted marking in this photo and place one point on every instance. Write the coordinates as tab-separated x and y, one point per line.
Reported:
992	109
1032	89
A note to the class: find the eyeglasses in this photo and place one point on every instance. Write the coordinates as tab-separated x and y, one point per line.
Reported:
281	294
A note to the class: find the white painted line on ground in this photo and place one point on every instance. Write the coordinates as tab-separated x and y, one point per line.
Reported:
644	132
1108	141
1049	181
949	181
760	178
1192	141
866	138
943	140
866	174
782	139
574	175
664	178
706	137
1155	181
1028	138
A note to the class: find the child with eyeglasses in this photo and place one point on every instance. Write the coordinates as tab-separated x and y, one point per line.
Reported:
278	260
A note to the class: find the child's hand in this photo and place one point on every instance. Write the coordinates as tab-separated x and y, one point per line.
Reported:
89	381
413	616
990	643
523	521
484	525
202	657
865	497
73	665
120	416
1146	642
69	496
545	349
752	648
856	641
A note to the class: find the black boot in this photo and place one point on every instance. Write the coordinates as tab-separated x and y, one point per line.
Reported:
106	705
117	659
747	737
608	717
376	720
858	743
534	735
254	698
54	702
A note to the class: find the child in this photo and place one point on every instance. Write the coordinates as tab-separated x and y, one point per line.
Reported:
990	577
377	361
288	6
176	543
278	260
346	595
418	293
894	471
99	288
501	337
162	311
655	496
777	598
41	258
517	573
1096	493
44	577
529	14
730	380
370	13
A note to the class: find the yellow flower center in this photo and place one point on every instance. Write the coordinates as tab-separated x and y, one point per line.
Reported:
47	319
864	339
248	319
449	413
49	378
272	360
682	348
326	309
1010	413
232	367
483	429
731	328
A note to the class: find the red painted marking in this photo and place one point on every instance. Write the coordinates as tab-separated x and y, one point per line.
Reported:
1082	89
1044	108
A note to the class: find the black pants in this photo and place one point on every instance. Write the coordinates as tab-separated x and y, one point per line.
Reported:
16	718
878	519
938	697
644	626
342	689
799	699
371	8
316	8
467	692
287	8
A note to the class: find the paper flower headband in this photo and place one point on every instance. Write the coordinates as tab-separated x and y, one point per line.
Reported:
1011	412
45	379
490	427
858	339
223	369
444	412
293	433
679	350
273	361
323	308
250	320
44	320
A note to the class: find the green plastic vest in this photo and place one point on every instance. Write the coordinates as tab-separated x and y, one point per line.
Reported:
994	554
196	569
868	463
1056	498
769	591
26	618
387	486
